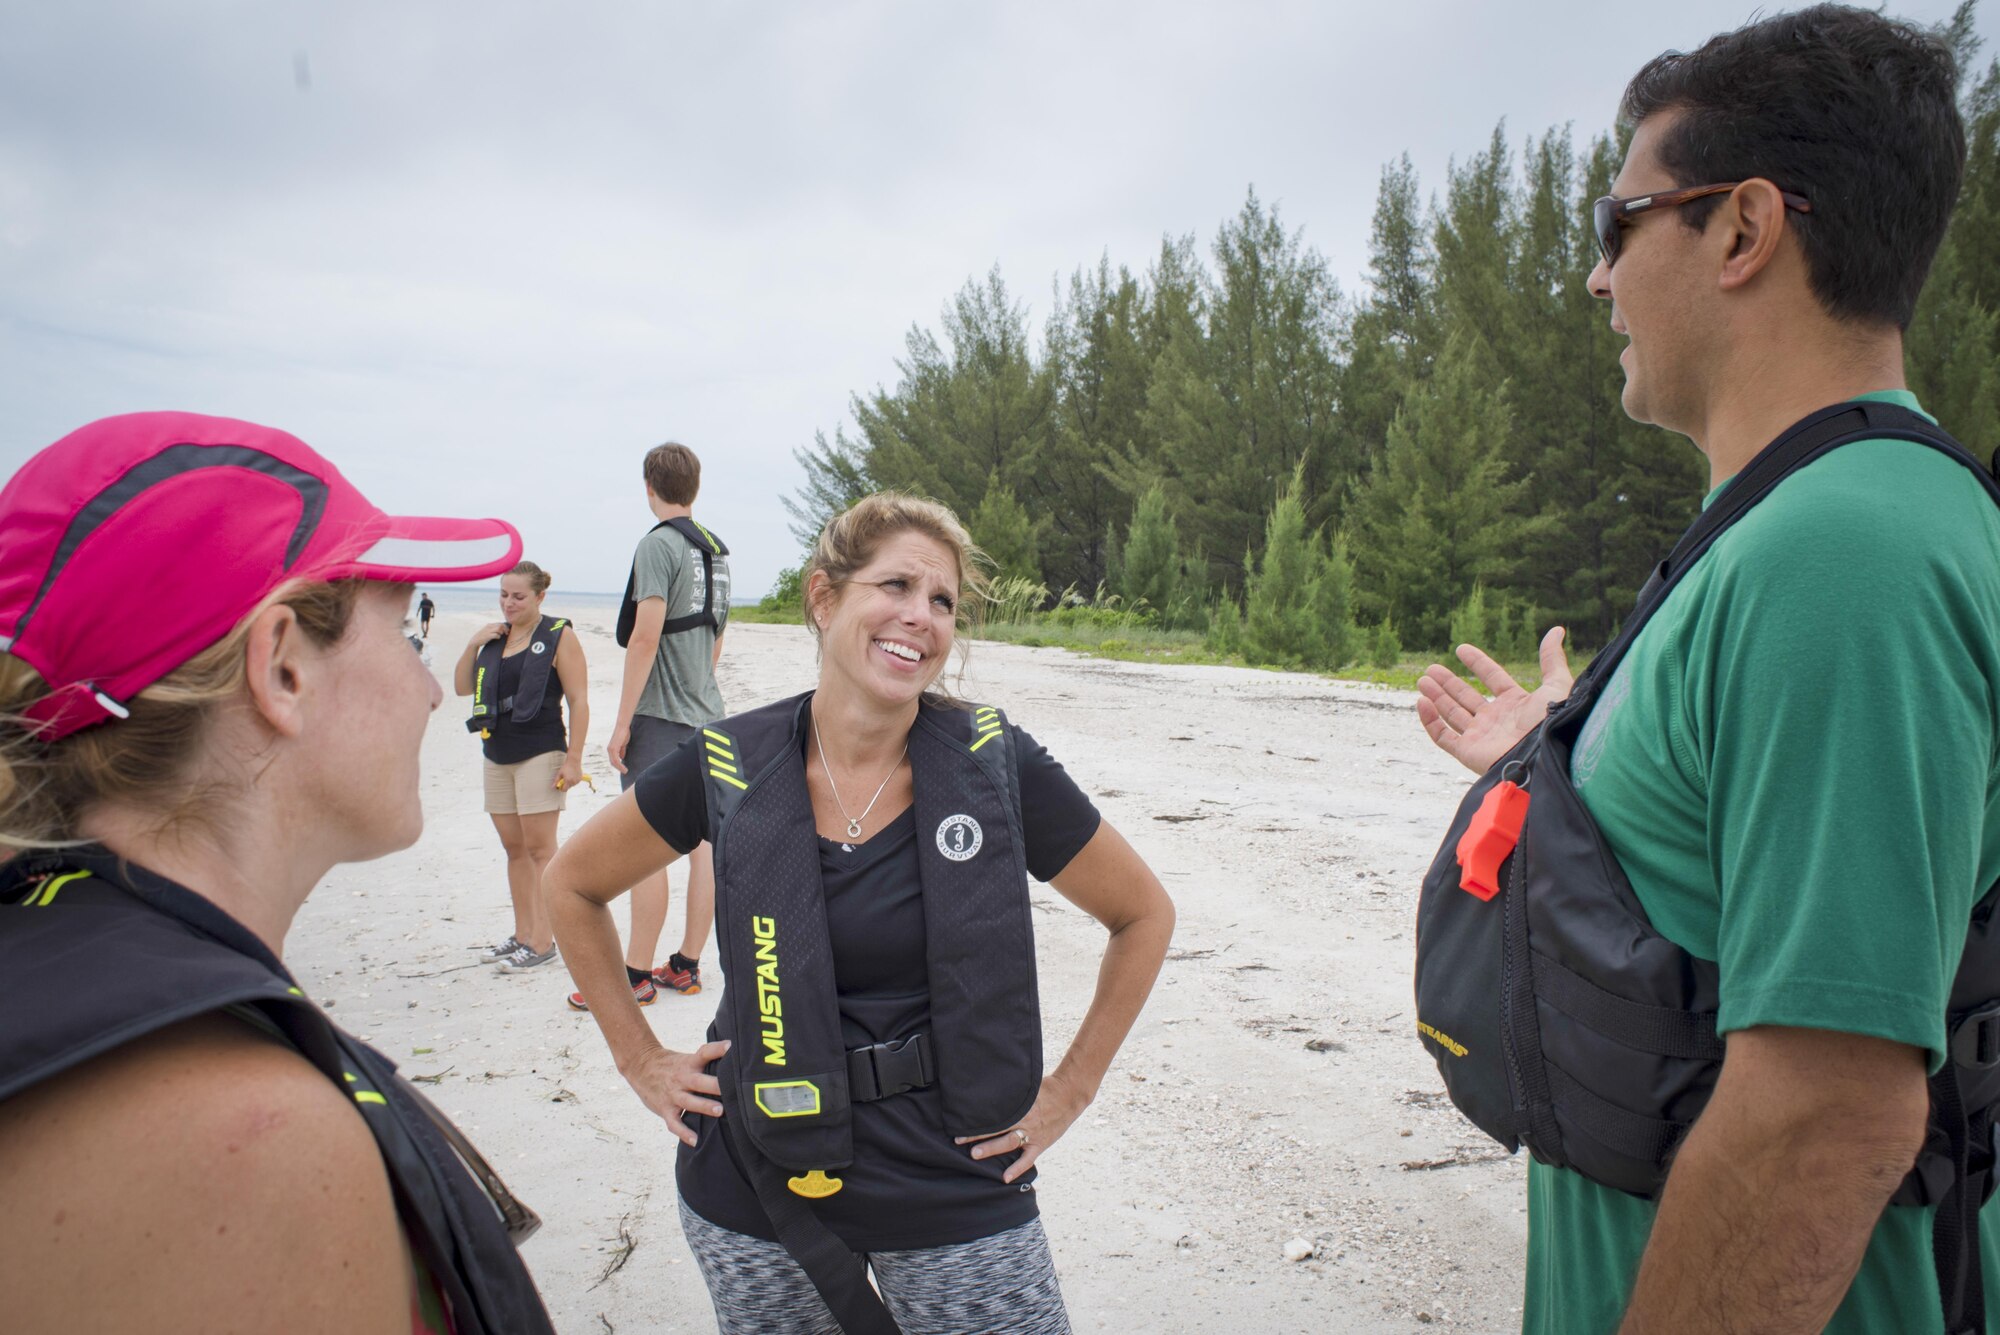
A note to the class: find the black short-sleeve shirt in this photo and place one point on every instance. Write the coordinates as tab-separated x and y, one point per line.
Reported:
909	1186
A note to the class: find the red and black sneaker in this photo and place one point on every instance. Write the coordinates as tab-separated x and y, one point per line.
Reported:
643	992
686	981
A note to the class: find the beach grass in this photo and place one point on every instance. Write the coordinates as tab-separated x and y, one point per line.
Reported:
1139	643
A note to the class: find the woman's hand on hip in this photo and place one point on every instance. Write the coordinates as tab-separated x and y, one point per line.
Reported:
672	1083
1057	1106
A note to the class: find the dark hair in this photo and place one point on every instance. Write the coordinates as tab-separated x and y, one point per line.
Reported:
673	472
538	578
1850	109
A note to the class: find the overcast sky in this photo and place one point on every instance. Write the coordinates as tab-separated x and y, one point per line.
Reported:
484	255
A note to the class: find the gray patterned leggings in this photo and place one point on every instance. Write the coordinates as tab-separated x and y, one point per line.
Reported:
1000	1285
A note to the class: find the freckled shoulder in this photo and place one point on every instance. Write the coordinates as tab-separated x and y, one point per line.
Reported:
202	1178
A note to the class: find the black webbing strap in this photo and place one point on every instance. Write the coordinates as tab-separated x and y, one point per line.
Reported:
839	1274
1805	441
1632	1134
711	547
1664	1031
1955	1230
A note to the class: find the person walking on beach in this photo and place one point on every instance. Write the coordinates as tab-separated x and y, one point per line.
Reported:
871	1095
426	609
670	624
520	670
1792	762
187	1142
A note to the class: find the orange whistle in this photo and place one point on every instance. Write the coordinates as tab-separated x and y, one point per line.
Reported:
1495	829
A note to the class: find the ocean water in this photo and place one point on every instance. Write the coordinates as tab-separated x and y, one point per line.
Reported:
485	598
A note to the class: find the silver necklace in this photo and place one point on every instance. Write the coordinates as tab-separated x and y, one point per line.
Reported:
854	822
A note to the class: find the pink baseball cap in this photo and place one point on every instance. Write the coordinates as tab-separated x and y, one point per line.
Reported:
136	542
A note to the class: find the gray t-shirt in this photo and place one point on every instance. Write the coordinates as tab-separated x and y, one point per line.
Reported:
681	687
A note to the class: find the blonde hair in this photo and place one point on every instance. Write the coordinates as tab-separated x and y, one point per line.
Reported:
538	578
851	539
144	760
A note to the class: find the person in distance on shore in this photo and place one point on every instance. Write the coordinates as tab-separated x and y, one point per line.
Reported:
187	1143
670	625
520	670
1794	764
426	610
871	1092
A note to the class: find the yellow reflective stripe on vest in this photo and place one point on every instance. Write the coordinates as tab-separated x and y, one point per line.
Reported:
45	894
719	757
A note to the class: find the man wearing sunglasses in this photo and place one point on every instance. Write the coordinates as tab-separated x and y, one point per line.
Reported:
1794	765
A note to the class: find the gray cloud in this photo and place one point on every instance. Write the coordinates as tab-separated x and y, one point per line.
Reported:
486	254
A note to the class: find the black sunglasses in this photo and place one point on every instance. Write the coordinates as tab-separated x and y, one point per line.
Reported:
1607	214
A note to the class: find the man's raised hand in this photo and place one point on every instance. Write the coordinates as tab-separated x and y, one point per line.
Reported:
1476	730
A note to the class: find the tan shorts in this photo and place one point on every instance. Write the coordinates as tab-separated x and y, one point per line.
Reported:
525	788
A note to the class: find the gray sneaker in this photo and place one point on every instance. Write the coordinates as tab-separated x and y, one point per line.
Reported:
524	957
493	954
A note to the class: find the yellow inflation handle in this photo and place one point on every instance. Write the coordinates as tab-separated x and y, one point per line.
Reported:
815	1184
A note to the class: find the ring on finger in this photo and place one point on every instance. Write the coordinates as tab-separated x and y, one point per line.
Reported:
1022	1132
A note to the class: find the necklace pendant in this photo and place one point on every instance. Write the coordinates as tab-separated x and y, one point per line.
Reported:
854	829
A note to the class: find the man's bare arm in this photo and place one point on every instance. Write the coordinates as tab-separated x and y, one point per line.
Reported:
1773	1196
639	653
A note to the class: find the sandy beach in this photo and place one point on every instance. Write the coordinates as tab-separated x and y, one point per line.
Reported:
1273	1090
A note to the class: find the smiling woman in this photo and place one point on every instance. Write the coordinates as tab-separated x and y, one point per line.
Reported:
871	1095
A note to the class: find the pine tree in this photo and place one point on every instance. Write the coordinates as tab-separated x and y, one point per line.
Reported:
1279	624
1099	368
1333	608
836	477
1006	534
1385	648
1473	622
1437	513
1152	558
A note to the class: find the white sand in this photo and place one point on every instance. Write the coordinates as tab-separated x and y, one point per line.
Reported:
1273	1089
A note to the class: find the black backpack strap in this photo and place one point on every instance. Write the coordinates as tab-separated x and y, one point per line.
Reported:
1955	1230
1805	441
711	547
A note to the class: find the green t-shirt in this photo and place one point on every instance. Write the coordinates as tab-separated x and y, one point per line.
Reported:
681	687
1796	768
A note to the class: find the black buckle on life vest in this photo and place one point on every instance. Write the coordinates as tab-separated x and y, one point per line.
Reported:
1975	1040
889	1068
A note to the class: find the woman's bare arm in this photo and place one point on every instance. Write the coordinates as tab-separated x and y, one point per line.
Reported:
614	850
1110	881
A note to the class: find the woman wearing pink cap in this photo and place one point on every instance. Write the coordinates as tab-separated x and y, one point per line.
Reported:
201	616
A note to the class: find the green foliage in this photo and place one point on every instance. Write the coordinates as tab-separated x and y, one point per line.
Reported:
785	594
1385	648
1438	512
1473	622
1152	564
1224	631
1002	529
1013	599
1457	422
1297	609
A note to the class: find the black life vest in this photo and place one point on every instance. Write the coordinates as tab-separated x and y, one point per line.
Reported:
93	955
525	704
1561	1020
789	1081
703	541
